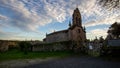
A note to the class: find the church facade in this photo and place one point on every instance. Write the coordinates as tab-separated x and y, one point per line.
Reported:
75	32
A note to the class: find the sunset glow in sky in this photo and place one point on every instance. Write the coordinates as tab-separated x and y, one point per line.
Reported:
32	19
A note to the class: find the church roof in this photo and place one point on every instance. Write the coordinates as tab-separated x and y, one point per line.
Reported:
62	31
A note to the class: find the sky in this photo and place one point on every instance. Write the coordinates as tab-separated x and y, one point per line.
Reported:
32	19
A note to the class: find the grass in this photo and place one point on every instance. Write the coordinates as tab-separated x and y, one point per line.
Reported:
93	53
16	54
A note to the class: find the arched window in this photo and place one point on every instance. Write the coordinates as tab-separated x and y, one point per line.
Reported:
76	19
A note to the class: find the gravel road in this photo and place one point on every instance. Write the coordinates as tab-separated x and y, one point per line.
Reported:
77	62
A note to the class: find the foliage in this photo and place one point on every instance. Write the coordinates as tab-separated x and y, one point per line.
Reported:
101	40
115	29
109	50
25	46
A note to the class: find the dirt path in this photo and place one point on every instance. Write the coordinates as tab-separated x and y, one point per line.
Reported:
69	62
22	62
77	62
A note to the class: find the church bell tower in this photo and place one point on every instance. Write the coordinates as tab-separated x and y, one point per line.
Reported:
76	31
77	18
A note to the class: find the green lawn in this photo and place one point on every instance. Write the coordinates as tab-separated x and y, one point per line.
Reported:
16	54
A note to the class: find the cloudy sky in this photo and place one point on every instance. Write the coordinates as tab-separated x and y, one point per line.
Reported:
32	19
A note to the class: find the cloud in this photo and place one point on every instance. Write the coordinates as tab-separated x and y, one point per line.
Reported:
29	15
97	33
11	35
3	17
55	11
7	35
101	16
105	21
23	17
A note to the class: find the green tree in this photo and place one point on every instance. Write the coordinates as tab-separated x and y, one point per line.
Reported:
25	46
101	39
115	29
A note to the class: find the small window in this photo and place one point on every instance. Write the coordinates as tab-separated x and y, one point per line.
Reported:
78	30
76	19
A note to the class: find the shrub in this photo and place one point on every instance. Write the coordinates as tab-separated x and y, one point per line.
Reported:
25	46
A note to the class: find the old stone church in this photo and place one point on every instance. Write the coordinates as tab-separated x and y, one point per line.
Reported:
75	32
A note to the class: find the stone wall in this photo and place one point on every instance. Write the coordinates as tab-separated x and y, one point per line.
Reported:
6	45
56	37
3	46
57	46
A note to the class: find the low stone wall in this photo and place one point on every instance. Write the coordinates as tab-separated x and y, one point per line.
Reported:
6	45
57	46
3	46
